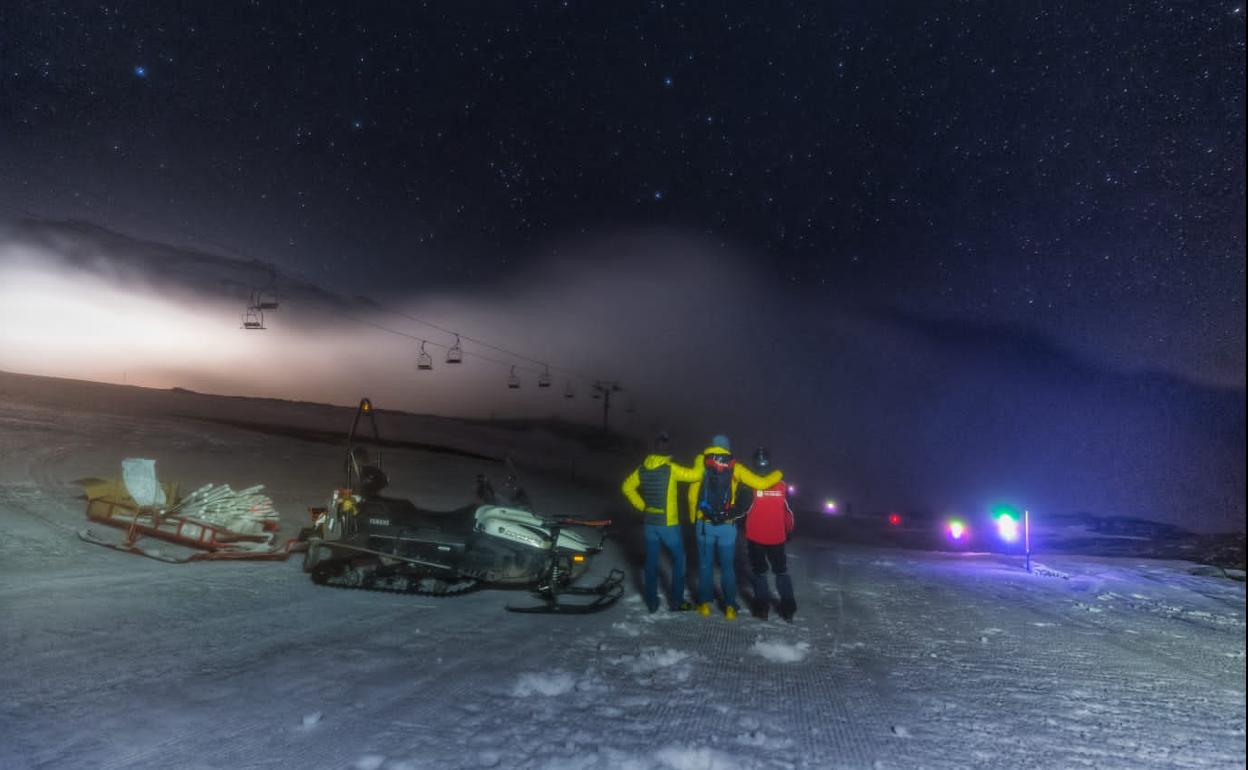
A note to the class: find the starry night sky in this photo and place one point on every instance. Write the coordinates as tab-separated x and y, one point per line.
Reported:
927	252
1076	168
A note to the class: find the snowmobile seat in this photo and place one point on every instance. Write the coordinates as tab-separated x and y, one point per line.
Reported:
404	513
458	521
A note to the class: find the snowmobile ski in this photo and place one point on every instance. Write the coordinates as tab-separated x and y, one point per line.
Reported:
606	594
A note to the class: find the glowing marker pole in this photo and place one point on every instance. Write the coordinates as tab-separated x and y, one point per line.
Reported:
1027	537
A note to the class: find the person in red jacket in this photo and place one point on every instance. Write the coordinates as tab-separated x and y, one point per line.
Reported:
768	523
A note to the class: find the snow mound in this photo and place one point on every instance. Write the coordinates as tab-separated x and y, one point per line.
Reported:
682	758
667	758
652	664
781	652
628	629
548	683
369	762
653	658
757	739
1043	571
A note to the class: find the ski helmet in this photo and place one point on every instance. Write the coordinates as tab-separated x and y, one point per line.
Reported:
762	460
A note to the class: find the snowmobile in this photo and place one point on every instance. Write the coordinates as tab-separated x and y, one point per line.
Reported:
363	539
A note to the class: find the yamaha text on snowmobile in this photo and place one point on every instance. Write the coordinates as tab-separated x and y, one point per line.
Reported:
365	540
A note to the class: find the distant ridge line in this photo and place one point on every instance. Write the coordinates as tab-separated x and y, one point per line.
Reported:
331	436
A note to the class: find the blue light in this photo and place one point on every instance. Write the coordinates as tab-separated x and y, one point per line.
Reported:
140	71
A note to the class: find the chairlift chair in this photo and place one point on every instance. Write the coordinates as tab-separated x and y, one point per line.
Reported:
253	318
455	353
513	380
543	380
567	390
424	361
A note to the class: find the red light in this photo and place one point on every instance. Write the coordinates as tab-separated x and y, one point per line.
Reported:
894	519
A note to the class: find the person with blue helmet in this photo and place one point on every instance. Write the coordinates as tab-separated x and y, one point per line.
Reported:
712	500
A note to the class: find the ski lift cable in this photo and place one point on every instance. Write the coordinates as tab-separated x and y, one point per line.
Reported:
199	240
459	337
496	348
596	385
273	270
414	338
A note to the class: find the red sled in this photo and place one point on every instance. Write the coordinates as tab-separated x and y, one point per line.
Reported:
213	542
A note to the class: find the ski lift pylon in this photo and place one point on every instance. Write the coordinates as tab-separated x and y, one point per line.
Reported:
424	361
455	353
513	380
543	380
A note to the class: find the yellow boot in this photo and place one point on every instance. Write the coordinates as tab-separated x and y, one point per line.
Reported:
704	609
730	612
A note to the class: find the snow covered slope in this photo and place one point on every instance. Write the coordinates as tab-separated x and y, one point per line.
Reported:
898	659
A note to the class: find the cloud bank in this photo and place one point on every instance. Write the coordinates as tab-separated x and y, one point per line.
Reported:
857	400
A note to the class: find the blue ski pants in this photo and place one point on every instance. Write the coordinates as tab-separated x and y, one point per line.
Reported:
659	535
717	540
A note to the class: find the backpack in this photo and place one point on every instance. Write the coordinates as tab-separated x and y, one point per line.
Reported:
715	497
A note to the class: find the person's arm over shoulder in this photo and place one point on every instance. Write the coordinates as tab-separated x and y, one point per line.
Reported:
630	487
753	480
695	488
686	475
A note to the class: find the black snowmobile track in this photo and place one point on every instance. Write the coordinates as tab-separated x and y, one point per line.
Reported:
455	588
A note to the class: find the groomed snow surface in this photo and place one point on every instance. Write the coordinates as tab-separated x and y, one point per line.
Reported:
897	659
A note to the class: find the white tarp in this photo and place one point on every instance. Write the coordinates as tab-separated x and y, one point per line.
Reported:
139	476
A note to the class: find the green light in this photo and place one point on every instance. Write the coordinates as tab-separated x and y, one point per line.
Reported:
1007	511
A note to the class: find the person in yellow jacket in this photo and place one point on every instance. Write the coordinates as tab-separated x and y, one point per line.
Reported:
711	507
652	490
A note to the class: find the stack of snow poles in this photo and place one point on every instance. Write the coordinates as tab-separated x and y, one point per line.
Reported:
217	521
